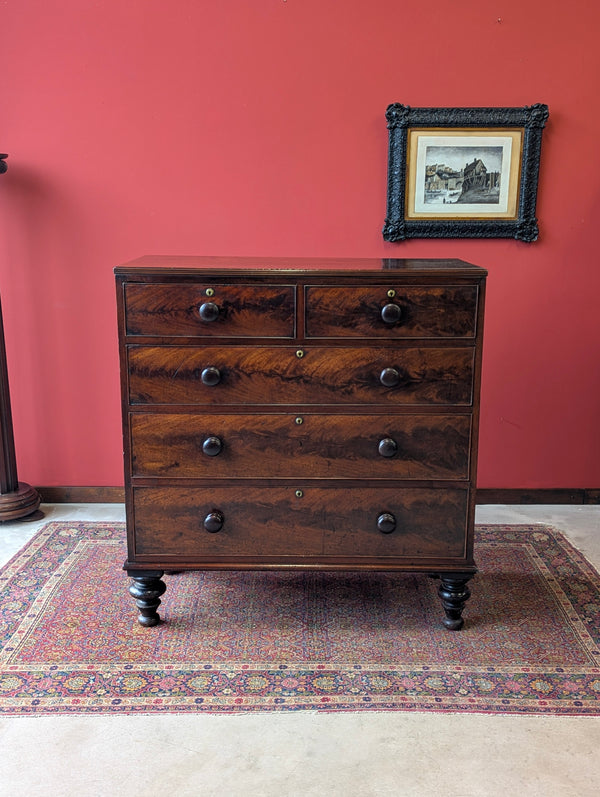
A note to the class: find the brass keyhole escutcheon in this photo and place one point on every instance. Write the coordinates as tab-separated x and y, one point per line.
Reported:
299	493
210	291
300	353
391	293
299	421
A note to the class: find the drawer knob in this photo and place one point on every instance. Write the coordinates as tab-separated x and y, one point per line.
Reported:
212	446
386	523
213	522
391	313
389	377
388	447
209	311
210	376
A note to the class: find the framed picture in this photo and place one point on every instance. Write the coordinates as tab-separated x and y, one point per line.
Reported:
463	172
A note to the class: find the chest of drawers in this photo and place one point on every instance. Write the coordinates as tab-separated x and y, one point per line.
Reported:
308	414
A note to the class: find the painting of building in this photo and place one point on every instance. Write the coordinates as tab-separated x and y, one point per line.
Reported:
467	175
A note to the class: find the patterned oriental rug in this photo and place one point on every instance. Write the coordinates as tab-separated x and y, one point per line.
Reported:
248	641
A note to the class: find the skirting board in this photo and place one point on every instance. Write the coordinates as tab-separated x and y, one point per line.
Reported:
116	495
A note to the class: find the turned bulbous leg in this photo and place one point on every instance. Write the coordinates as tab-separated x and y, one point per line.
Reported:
147	588
454	593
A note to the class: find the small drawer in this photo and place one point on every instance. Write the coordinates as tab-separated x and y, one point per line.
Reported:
312	375
215	311
264	525
278	446
386	312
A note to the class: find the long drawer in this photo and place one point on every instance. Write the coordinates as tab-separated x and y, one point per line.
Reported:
207	524
307	445
217	375
373	311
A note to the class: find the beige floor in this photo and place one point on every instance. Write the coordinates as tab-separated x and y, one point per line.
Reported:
303	753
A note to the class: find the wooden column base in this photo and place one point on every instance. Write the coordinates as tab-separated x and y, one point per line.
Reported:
20	503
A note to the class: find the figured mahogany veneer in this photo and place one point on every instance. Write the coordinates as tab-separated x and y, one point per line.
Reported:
175	310
300	414
291	529
320	375
307	445
423	312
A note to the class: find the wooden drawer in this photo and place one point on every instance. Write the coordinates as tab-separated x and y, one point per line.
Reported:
230	311
412	312
273	524
277	375
293	446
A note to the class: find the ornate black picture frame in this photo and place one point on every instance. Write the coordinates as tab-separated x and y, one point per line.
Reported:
463	172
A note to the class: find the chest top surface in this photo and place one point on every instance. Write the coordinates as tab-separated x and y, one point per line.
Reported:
161	267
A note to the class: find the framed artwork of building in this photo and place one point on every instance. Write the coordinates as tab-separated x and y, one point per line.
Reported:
463	172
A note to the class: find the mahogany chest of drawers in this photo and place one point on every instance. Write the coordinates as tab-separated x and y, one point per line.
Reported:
309	414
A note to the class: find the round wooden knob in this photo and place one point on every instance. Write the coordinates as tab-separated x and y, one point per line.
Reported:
212	446
213	522
210	376
389	377
391	313
388	447
209	311
386	523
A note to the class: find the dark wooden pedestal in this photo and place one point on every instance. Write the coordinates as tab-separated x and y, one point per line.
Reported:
17	499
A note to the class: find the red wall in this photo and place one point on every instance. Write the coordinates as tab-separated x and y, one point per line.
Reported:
243	127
